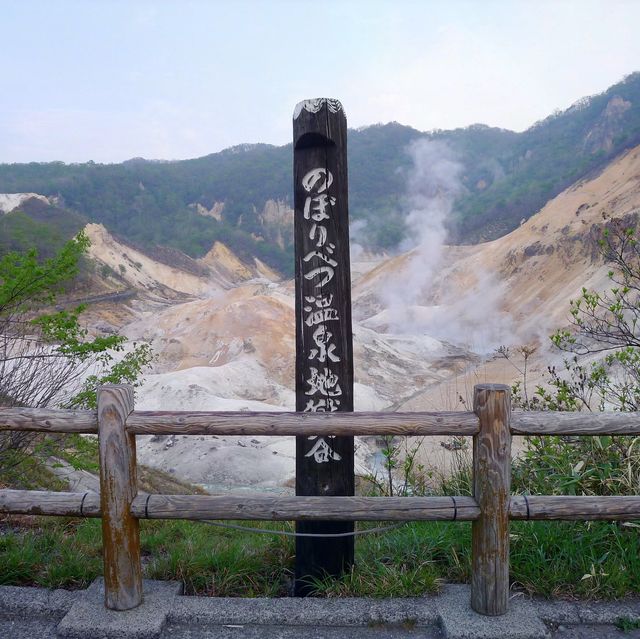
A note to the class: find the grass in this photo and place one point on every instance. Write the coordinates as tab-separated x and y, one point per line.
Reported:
551	559
52	553
218	562
67	553
575	559
627	624
560	559
592	559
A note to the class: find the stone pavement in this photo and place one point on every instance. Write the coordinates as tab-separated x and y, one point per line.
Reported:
34	613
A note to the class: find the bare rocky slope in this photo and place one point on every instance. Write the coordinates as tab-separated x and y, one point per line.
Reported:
529	275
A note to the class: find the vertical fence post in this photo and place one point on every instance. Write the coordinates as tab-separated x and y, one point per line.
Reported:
120	530
491	489
324	342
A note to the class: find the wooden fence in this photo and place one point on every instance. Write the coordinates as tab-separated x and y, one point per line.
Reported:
491	424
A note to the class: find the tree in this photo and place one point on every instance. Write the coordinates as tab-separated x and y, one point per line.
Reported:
601	371
601	368
46	357
606	328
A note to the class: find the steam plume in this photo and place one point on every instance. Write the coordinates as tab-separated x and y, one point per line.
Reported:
471	317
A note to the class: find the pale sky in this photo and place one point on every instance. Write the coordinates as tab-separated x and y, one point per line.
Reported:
110	80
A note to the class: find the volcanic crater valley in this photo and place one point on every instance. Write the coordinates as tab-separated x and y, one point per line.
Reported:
223	329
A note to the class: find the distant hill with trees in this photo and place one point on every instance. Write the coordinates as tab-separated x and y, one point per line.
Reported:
507	176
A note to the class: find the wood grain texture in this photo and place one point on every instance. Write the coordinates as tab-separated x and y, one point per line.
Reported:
44	502
324	341
118	487
565	507
303	424
307	508
283	424
541	507
491	485
49	420
582	423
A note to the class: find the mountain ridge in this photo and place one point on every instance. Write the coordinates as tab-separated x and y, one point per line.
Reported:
507	176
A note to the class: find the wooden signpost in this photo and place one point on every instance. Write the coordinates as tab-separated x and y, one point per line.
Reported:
324	348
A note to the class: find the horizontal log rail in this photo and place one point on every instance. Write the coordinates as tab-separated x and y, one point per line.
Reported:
320	424
583	423
49	420
492	425
245	507
574	508
238	423
48	502
269	508
305	508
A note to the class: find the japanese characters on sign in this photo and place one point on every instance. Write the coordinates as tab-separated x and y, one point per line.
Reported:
323	384
324	342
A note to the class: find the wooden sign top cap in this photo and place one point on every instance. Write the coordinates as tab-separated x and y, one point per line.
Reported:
315	104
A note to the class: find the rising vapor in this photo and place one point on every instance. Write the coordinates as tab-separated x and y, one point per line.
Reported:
472	317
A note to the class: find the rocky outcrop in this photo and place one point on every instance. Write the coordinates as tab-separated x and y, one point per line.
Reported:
11	201
226	265
277	222
215	211
608	126
138	270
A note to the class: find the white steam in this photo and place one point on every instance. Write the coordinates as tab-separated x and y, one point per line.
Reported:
433	184
356	234
468	315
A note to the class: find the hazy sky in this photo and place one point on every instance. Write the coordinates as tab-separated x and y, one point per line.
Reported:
109	80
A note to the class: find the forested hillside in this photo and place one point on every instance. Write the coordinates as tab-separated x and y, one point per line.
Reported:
550	156
40	225
507	176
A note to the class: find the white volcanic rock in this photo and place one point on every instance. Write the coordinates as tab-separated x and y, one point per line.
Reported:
215	211
242	384
11	201
218	462
219	270
140	271
222	462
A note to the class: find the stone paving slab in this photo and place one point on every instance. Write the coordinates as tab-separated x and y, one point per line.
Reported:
594	632
88	616
310	611
31	613
605	612
300	632
459	621
24	602
38	628
557	612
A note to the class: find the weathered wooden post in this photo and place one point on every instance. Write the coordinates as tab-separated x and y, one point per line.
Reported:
324	349
492	490
120	530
